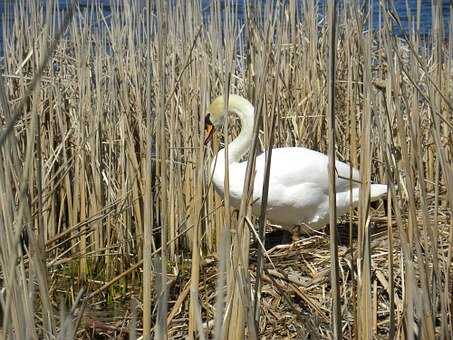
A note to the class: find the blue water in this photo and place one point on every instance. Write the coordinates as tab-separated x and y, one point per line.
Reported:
405	9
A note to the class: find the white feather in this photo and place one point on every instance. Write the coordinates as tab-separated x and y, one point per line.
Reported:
298	182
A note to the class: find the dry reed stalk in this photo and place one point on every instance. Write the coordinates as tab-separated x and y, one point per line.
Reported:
148	199
351	127
364	303
226	285
331	80
161	94
269	133
195	310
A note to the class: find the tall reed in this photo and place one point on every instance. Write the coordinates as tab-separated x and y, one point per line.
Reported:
103	167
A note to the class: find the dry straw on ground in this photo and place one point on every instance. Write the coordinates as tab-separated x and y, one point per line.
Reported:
103	168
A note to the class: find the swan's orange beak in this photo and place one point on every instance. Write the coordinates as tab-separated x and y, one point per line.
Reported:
209	128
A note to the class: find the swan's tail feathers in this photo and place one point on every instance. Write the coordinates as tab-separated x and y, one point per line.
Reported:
378	191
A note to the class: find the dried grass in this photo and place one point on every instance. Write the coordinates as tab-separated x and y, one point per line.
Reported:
104	170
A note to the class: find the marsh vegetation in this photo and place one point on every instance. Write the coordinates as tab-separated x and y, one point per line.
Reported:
103	169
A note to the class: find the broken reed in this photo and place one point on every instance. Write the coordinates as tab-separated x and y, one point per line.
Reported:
103	154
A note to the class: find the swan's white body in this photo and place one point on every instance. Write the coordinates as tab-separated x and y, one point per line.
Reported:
298	183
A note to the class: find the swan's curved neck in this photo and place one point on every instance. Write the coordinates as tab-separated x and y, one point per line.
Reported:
236	149
239	146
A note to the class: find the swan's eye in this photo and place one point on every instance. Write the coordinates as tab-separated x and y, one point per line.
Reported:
207	121
209	128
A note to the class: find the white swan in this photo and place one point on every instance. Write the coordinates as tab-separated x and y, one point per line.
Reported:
298	183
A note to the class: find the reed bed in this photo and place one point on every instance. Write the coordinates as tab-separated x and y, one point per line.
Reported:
104	172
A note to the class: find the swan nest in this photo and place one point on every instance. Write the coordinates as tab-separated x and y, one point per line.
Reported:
295	300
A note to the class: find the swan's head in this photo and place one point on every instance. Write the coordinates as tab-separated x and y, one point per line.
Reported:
216	113
214	118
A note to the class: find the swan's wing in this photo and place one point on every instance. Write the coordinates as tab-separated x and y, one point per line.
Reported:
294	166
